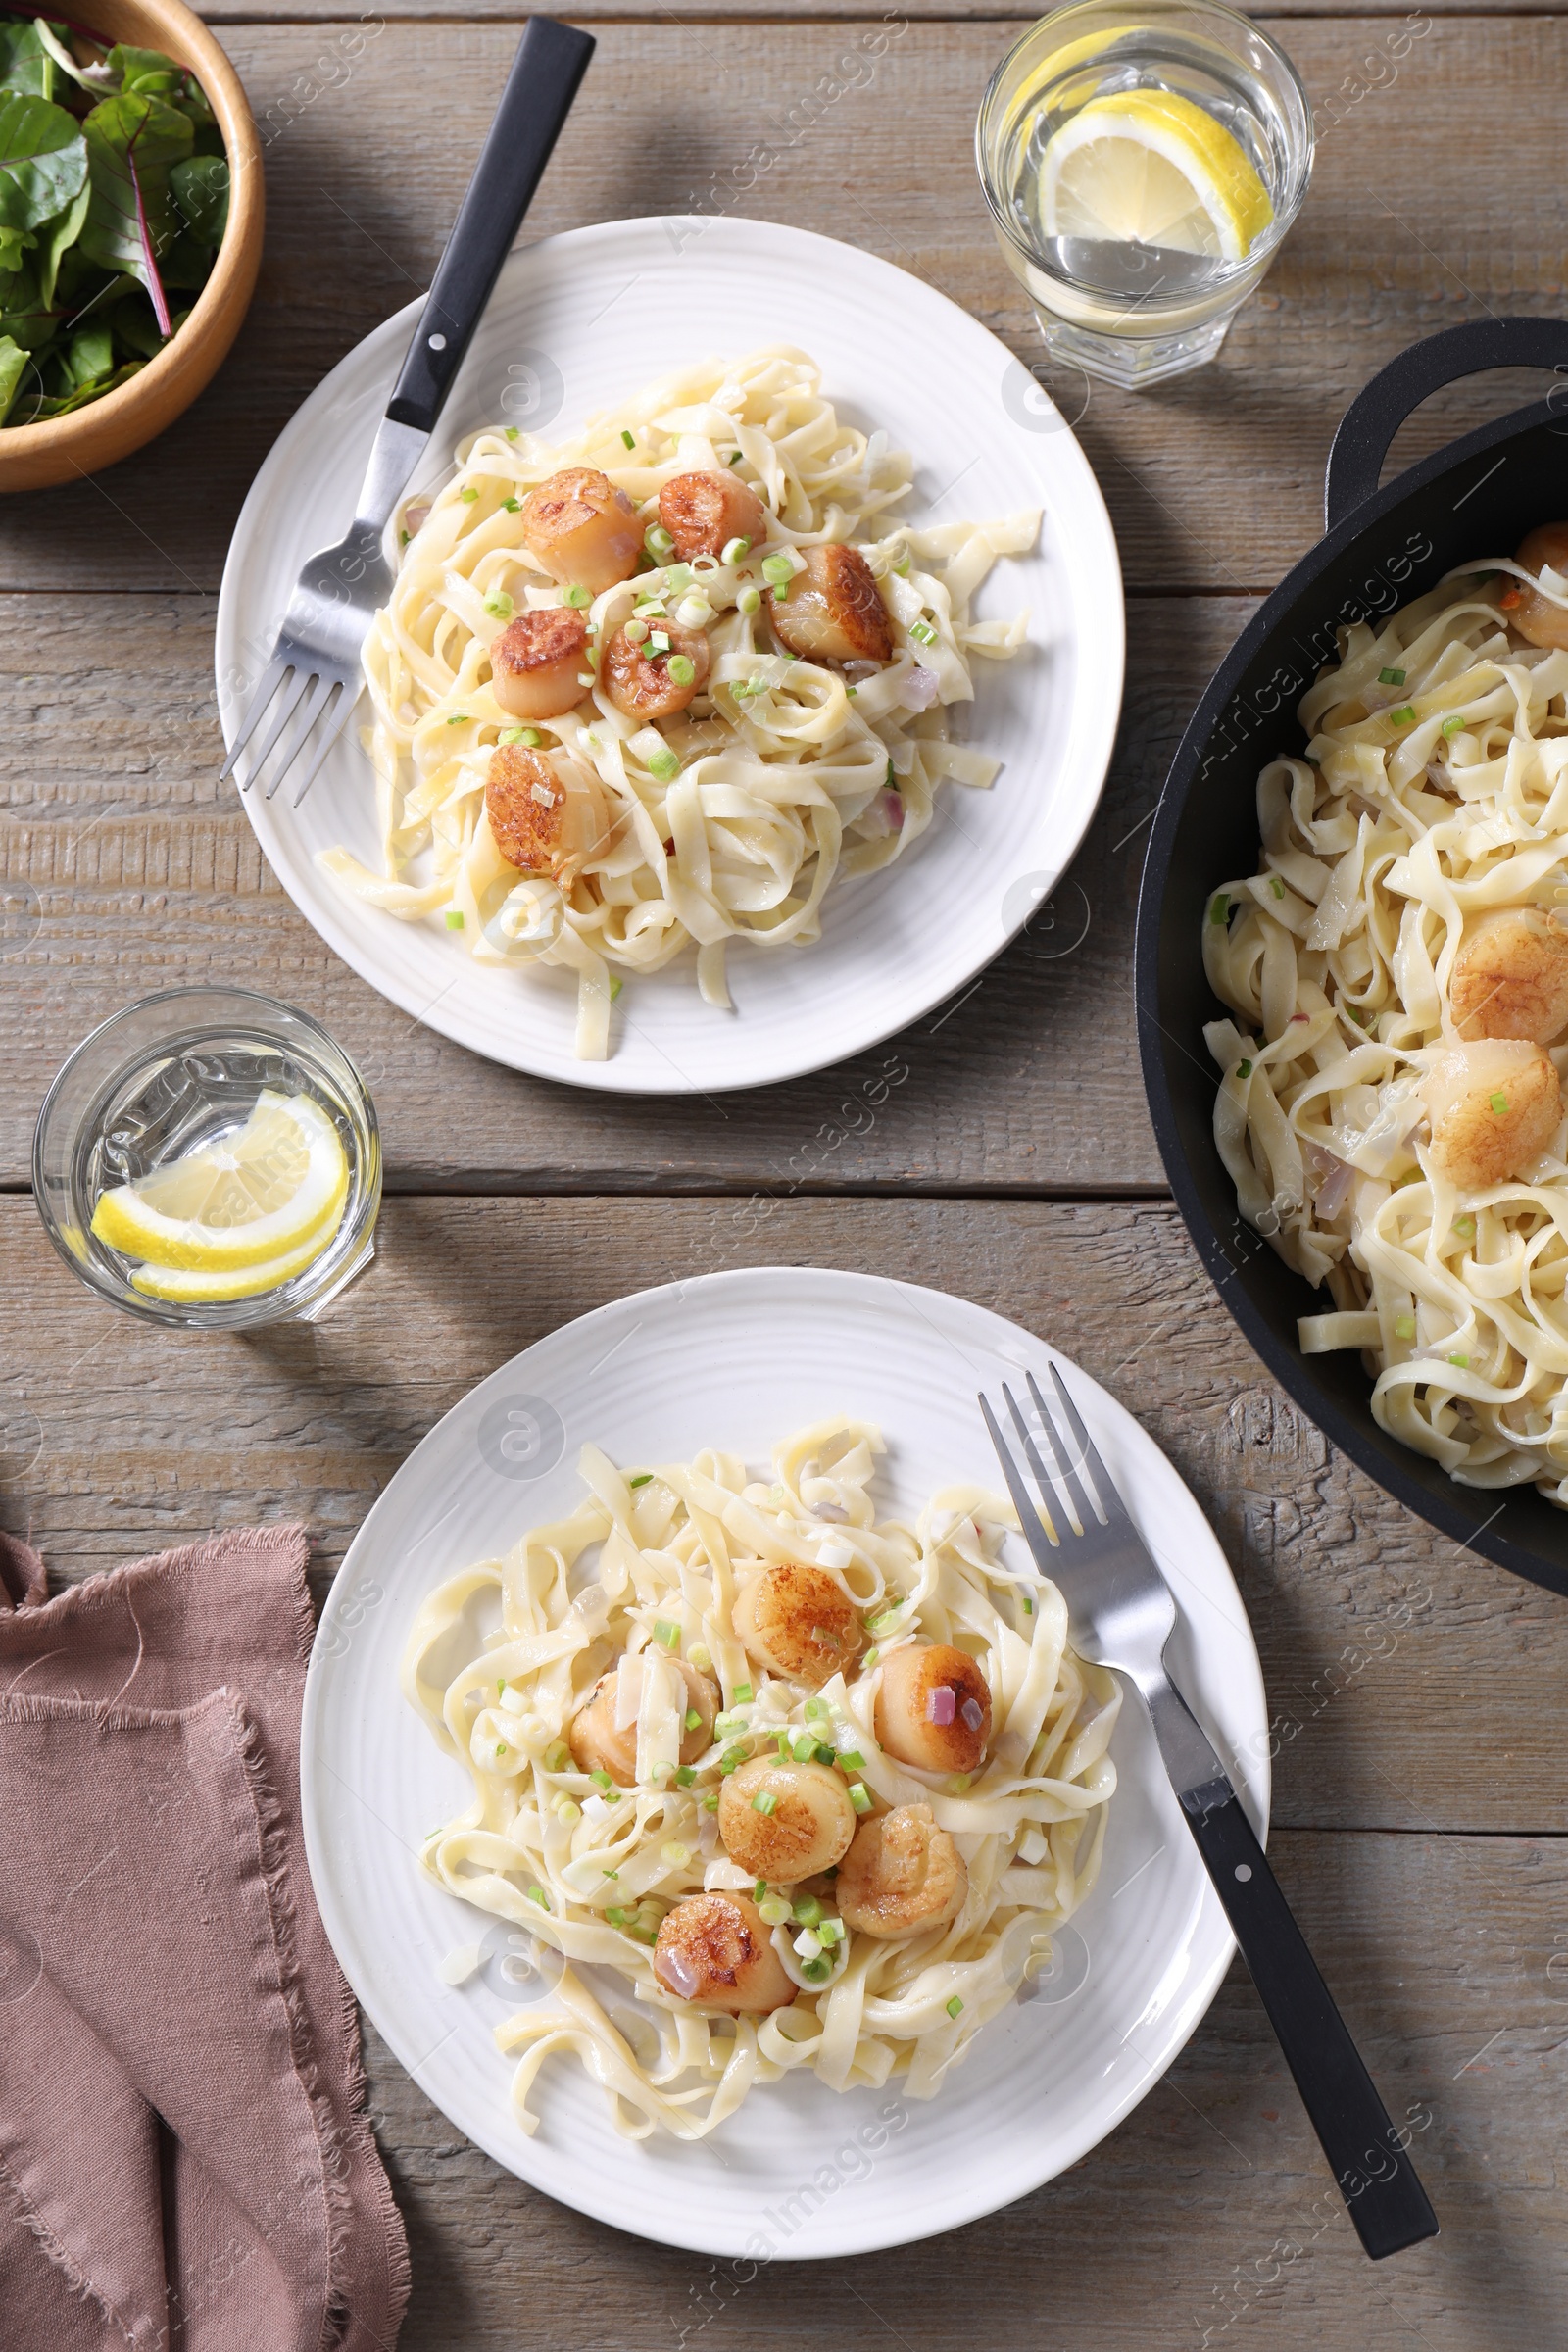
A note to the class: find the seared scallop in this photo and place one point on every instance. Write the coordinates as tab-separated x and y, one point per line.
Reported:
933	1709
546	814
718	1951
598	1744
798	1622
833	610
703	512
901	1874
538	662
1536	617
1494	1107
785	1821
649	681
1510	976
583	530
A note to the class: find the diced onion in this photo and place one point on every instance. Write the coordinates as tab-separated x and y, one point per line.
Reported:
942	1706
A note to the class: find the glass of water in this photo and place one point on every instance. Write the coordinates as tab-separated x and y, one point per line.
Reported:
181	1074
1141	175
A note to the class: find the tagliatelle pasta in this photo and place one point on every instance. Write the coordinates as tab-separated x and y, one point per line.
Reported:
732	819
1391	1106
639	1598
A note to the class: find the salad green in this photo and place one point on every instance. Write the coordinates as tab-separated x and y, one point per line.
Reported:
114	198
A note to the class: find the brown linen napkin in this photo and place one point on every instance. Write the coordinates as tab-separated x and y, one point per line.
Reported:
185	2164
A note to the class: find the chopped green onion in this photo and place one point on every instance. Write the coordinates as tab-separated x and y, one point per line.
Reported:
467	496
869	1660
454	918
1463	1363
815	1709
501	1686
678	575
808	1911
922	632
830	1930
499	604
459	718
681	668
804	1747
859	1796
1465	1228
1404	717
749	600
724	1725
826	1754
667	1632
664	765
510	431
659	641
1405	1327
1391	677
781	1738
659	543
576	597
758	1891
817	1972
901	567
775	1909
537	1894
628	439
1220	909
731	1761
1028	1606
403	538
884	1619
1500	1104
734	548
777	571
687	1772
958	1783
852	692
700	1656
1244	1069
692	1718
644	1478
851	1759
615	1916
558	1755
764	1802
512	506
734	458
1276	886
1454	726
647	1935
710	1802
742	1693
674	1853
650	608
568	1810
602	1779
500	1747
954	2007
610	1874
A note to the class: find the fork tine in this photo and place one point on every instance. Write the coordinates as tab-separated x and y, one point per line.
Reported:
254	709
1023	1501
1070	1487
318	694
1111	1501
295	689
336	721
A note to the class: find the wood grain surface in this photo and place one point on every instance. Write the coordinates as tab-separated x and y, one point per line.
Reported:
999	1150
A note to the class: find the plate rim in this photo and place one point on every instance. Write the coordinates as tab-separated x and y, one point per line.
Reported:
1095	728
1255	1771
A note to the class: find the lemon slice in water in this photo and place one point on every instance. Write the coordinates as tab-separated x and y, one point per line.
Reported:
1151	167
268	1199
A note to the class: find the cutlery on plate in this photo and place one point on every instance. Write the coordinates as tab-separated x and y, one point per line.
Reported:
313	680
1120	1614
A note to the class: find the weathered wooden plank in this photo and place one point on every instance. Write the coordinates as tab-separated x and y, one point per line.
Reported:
1214	481
146	875
1412	1686
1208	2219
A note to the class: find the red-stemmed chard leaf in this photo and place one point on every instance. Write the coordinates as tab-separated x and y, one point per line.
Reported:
132	142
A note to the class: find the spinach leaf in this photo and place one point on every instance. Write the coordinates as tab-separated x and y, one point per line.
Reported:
12	365
15	245
55	240
201	191
132	142
25	62
143	73
43	160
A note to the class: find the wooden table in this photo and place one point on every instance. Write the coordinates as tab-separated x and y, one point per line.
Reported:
1420	1802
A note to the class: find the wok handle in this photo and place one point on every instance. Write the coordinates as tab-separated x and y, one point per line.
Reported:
1370	423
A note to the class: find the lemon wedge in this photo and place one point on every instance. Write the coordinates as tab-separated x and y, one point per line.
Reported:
273	1190
187	1286
1151	167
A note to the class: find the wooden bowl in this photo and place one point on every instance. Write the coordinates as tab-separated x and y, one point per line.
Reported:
62	449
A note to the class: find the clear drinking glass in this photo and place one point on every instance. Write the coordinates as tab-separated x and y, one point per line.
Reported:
181	1071
1128	308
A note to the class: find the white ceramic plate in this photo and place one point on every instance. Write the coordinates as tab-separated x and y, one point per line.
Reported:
736	1361
574	323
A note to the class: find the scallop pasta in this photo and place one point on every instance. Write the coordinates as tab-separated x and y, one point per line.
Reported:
658	687
783	1785
1397	970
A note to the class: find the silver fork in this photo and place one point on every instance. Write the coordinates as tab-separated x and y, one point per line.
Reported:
1121	1614
311	683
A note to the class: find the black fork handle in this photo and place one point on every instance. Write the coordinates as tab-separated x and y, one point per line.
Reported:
1378	2182
546	73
